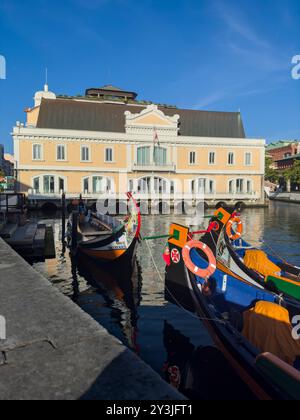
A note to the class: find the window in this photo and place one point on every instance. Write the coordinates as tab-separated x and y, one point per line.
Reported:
36	185
160	156
248	159
231	158
97	184
37	152
192	158
86	185
61	152
143	156
49	184
108	185
203	186
61	185
144	185
108	155
131	185
85	154
239	186
172	187
249	187
212	158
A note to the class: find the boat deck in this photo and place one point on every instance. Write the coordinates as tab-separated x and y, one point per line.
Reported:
87	230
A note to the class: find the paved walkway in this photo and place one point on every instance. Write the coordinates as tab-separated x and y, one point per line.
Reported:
54	350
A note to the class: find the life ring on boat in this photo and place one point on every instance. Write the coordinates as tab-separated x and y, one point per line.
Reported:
212	263
229	228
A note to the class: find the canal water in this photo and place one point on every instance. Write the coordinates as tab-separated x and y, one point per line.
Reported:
129	301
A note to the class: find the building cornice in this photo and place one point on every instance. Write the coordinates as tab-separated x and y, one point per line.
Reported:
195	171
40	134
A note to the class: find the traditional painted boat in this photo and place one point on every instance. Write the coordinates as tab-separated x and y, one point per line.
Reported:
250	325
254	265
103	237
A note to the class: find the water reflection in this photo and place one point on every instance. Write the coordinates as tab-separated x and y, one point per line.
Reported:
119	285
128	300
200	372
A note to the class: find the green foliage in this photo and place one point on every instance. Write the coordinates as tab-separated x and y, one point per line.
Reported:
270	173
293	173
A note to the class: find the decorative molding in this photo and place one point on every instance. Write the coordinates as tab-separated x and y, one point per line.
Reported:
71	169
167	125
142	135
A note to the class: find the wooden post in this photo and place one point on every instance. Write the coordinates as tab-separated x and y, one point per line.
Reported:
74	229
7	206
63	218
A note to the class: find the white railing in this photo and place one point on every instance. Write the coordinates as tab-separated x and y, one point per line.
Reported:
34	195
153	167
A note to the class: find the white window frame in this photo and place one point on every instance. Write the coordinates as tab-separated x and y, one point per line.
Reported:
251	159
104	183
83	146
207	185
42	152
215	158
245	186
228	163
189	157
65	152
112	155
56	182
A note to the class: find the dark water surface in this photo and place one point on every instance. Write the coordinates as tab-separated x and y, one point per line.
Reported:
129	302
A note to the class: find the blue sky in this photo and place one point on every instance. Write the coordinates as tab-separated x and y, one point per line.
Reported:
222	55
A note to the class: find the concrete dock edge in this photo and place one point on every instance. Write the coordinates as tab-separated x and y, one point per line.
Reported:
55	351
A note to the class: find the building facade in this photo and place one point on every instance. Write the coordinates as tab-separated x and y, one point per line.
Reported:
107	143
9	165
284	153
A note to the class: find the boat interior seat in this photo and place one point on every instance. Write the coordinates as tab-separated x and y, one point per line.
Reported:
268	327
258	260
228	292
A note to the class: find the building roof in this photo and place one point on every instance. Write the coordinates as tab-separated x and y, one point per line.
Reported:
279	144
68	114
109	90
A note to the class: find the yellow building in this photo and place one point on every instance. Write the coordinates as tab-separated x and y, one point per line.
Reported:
107	142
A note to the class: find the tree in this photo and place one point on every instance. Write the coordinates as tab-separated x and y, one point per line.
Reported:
293	174
270	173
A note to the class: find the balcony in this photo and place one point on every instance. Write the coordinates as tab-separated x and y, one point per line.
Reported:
154	167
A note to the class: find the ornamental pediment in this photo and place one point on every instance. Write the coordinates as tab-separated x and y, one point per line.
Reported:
151	117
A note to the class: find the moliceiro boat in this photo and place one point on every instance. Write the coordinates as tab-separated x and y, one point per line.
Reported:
252	326
255	265
103	237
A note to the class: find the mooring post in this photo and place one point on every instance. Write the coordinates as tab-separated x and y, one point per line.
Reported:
74	229
63	217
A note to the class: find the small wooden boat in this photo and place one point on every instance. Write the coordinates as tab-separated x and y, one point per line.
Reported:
250	325
254	265
103	237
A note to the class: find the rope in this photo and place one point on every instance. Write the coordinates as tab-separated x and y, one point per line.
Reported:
150	238
173	297
274	252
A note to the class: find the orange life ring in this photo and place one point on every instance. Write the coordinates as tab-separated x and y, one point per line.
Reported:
229	228
212	263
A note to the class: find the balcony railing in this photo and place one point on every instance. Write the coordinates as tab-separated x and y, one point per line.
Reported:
154	167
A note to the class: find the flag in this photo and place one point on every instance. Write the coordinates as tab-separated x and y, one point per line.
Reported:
155	137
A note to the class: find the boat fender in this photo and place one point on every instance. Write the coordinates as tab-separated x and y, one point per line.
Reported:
229	229
212	263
